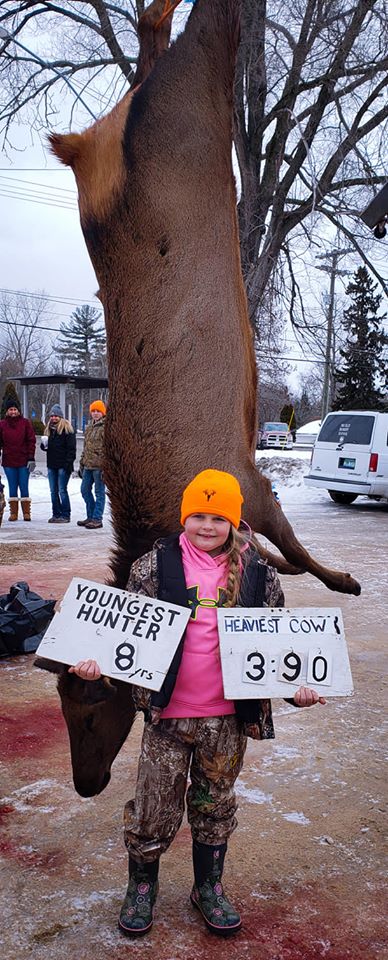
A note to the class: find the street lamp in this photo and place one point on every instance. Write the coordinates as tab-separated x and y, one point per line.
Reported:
376	213
6	35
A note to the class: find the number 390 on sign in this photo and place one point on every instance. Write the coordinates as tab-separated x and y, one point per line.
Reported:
289	666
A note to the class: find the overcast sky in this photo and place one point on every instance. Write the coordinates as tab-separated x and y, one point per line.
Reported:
41	243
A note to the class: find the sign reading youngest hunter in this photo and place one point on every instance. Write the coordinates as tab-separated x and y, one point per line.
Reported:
271	652
132	637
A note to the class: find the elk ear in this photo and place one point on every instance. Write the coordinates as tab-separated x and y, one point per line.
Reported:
66	146
51	665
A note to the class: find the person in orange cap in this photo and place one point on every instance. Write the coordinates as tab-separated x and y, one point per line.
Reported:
91	466
190	725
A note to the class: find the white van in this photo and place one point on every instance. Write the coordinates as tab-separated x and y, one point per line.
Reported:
350	456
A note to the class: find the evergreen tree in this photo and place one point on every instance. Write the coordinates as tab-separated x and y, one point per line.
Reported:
362	378
9	392
287	415
81	342
304	408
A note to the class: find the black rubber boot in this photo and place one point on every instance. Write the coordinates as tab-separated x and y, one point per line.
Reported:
207	894
136	912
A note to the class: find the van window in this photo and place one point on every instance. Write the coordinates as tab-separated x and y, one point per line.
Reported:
338	428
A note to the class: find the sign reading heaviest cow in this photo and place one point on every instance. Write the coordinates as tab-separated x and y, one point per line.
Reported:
270	653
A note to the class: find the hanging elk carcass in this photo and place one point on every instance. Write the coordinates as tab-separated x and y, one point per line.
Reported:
157	206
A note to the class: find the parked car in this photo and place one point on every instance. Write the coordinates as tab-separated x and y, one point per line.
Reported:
275	435
307	435
350	456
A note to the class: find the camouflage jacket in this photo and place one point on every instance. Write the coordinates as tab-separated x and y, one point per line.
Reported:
143	579
92	455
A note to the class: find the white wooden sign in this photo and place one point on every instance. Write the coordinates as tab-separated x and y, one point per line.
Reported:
132	637
272	652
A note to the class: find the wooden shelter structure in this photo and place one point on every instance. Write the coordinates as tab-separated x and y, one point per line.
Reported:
79	383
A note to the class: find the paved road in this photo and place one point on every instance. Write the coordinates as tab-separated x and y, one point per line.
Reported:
306	865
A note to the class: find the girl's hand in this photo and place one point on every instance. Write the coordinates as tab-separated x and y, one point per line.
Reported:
305	697
86	670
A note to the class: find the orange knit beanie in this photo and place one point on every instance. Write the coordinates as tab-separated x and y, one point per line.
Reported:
215	492
98	405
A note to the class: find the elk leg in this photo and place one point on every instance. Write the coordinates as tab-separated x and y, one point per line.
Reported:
269	520
277	528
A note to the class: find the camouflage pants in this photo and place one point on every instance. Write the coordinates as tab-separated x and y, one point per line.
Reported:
212	750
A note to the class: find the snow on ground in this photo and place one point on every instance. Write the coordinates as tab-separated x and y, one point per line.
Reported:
41	500
286	469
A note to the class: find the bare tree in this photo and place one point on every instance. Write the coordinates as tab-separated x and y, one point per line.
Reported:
311	116
311	111
24	347
308	398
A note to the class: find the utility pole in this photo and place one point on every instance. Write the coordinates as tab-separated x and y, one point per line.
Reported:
334	256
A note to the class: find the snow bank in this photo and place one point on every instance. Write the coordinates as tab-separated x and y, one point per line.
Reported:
287	471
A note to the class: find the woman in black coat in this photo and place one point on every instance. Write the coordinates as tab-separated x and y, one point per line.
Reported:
60	443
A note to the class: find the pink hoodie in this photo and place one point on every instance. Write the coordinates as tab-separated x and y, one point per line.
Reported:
198	691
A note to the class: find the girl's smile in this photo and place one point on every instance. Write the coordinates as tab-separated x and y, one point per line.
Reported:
207	532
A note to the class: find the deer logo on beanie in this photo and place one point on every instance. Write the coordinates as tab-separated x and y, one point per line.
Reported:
215	492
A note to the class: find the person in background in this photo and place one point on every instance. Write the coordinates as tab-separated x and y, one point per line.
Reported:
2	500
17	442
90	467
59	442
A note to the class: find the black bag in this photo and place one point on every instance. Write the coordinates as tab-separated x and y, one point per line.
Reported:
24	618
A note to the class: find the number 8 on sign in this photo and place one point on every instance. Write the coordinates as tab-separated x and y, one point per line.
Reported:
124	657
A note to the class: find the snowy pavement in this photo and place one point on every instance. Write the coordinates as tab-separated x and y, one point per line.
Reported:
66	547
307	864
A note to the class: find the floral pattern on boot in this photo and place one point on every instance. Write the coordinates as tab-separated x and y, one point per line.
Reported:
217	911
136	916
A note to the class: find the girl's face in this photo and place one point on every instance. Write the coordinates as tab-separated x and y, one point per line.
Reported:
207	532
54	420
13	412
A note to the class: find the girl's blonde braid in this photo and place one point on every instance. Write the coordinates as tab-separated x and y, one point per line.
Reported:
234	547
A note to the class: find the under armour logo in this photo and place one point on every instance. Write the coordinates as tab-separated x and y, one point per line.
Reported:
194	601
209	494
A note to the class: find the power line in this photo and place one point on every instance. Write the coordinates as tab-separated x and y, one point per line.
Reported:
46	296
11	323
40	202
34	183
17	188
31	326
61	169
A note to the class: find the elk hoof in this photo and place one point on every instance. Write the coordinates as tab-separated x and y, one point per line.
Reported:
352	585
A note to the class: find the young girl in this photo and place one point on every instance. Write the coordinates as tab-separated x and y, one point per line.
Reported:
190	727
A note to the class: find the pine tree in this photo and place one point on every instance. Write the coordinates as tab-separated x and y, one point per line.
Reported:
287	415
9	392
362	377
80	342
